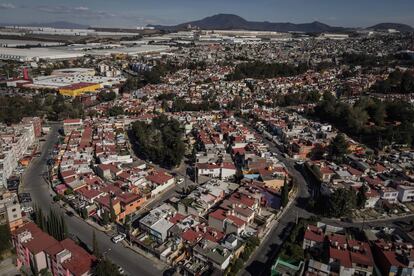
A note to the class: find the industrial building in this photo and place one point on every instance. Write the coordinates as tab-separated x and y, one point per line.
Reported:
36	54
78	89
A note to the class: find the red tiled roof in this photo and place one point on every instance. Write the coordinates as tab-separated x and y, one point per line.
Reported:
177	218
89	193
81	261
72	121
78	85
314	233
159	178
342	256
360	253
240	198
191	236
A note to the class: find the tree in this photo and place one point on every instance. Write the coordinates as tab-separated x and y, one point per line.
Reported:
105	96
285	193
64	231
115	111
339	147
106	268
105	217
361	197
84	213
112	210
45	272
95	247
160	141
5	239
341	202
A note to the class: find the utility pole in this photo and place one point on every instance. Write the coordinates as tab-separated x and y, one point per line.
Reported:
297	218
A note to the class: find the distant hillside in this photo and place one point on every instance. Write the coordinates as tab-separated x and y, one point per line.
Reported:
56	24
397	26
235	22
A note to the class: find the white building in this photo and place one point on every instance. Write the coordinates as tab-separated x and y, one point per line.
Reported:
14	143
405	193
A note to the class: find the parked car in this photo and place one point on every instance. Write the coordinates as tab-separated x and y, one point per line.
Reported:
70	213
118	238
180	180
25	197
121	270
27	209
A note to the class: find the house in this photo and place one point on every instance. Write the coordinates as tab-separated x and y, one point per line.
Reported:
226	221
282	267
372	198
394	259
72	124
14	215
36	250
157	223
223	170
161	181
317	268
212	253
108	171
313	238
389	194
130	203
405	193
208	169
349	257
69	258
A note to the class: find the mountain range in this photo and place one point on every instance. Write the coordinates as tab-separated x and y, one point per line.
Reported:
235	22
396	26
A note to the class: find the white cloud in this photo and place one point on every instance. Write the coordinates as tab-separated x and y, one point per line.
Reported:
78	12
6	6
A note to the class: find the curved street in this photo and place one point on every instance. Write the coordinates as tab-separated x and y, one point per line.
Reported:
35	184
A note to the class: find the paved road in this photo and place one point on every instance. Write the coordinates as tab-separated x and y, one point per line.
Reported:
264	258
34	183
261	262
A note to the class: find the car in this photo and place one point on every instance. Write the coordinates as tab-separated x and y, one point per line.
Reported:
121	270
25	197
118	238
180	180
27	209
70	213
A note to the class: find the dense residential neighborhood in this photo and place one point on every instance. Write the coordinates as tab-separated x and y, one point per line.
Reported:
206	152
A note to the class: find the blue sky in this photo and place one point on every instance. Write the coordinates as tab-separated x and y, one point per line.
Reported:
130	13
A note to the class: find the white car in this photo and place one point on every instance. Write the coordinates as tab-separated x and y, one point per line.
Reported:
180	180
118	238
27	209
121	270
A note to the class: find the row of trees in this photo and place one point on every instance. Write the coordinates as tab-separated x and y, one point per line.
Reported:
397	82
54	224
115	111
357	59
391	121
5	240
153	76
55	107
262	70
340	203
106	96
160	141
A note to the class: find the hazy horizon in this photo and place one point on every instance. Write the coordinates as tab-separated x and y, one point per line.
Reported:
130	13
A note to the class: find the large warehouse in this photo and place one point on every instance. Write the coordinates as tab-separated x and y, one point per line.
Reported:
36	54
